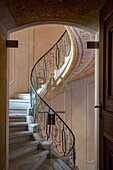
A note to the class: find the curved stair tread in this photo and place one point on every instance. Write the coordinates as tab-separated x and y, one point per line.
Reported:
17	115
19	133
14	124
21	148
18	111
54	164
29	161
21	145
24	96
19	100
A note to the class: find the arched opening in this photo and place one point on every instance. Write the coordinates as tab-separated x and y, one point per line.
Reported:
87	97
8	23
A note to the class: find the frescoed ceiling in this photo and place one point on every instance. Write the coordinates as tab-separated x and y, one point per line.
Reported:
73	11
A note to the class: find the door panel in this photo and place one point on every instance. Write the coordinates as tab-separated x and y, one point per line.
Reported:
107	123
109	155
108	58
106	86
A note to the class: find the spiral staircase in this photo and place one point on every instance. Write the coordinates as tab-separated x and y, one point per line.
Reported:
39	138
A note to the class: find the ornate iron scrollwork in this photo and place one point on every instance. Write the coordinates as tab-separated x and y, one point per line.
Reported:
58	131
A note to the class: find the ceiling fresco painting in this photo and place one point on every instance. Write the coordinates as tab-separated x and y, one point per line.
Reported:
75	11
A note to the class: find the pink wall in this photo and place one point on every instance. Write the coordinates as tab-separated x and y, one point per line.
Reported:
33	43
45	37
78	102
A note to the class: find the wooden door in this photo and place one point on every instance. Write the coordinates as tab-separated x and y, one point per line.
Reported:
106	86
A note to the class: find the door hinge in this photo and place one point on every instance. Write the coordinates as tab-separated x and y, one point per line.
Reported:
100	109
98	106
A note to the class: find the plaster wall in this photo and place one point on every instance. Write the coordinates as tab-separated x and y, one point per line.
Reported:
45	36
78	103
33	43
21	60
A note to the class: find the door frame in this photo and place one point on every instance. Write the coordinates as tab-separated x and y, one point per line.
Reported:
105	13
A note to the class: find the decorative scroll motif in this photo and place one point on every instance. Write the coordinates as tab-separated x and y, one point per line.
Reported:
42	72
86	57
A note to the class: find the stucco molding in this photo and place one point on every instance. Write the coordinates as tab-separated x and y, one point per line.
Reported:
89	117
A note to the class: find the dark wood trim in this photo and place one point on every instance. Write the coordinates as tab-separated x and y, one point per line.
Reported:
104	134
108	136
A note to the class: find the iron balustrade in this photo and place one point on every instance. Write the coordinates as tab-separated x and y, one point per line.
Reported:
43	70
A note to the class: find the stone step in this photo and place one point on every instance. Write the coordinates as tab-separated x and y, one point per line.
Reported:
18	126
29	161
17	120
54	164
18	111
22	148
22	96
19	100
18	136
48	145
17	117
18	104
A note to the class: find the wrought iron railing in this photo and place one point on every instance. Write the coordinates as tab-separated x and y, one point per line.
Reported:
52	126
